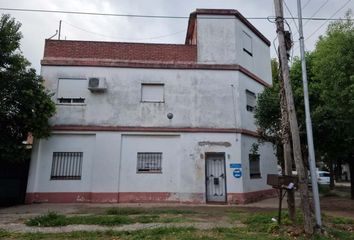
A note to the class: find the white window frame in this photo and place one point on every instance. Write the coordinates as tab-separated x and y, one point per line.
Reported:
250	106
65	97
247	43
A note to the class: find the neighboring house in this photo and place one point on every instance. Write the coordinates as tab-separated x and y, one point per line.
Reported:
141	122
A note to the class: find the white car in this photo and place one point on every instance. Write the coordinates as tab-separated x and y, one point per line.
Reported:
323	177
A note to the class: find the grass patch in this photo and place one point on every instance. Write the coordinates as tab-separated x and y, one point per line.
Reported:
135	211
339	234
185	233
342	220
52	219
258	225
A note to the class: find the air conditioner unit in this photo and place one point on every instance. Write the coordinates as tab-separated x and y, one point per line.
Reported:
97	84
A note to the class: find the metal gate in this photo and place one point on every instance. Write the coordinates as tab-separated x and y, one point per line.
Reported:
215	177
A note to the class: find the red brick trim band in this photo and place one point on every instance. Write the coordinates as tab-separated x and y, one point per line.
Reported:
249	197
89	62
140	197
151	129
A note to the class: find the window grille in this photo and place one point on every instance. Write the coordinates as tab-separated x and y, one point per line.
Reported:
255	170
71	100
149	162
66	166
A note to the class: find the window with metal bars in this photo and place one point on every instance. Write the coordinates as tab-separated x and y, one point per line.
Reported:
255	169
66	166
149	162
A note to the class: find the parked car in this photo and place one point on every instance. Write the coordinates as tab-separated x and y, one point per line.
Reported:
323	177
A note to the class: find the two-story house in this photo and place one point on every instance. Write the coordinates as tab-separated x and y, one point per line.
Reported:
139	122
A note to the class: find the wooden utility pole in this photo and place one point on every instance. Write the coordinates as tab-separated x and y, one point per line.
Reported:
294	128
286	141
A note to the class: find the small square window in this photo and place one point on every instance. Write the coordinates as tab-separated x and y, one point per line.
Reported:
66	166
247	43
149	162
250	101
152	92
255	170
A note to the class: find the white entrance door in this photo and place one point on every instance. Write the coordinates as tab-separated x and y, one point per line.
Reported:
215	177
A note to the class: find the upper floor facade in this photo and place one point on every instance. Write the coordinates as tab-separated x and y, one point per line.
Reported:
209	82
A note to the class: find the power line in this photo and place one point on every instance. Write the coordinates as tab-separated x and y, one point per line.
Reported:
292	17
319	9
330	18
345	4
306	4
141	16
125	39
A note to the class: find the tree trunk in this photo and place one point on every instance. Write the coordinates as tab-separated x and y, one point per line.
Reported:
294	128
351	168
339	170
331	174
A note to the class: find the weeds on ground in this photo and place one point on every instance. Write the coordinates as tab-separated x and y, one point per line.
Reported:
135	211
52	219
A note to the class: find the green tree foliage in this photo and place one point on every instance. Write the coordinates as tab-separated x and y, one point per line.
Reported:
333	69
330	69
25	106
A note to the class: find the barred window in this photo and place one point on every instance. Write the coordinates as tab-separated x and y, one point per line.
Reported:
149	162
255	170
66	166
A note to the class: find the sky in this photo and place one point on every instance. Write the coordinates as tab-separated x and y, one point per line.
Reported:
36	27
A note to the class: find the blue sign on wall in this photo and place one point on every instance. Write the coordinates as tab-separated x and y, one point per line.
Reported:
235	165
237	173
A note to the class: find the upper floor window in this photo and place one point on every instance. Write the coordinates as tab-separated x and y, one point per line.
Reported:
152	92
250	101
71	91
247	43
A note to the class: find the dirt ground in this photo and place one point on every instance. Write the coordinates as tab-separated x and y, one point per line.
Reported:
337	204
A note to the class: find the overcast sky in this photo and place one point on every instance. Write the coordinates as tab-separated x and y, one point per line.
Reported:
36	27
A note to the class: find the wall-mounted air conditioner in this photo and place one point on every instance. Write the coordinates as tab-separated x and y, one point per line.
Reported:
97	84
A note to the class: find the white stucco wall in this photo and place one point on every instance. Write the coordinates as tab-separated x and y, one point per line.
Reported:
197	98
41	163
247	117
110	162
219	41
216	39
268	164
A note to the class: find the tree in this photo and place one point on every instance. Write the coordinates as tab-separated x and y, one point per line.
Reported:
25	105
330	71
333	69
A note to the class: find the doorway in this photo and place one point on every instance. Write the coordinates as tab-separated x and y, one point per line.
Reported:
215	177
